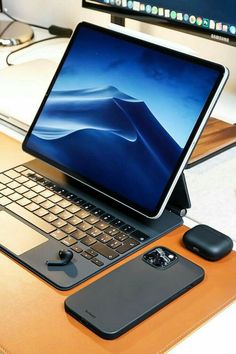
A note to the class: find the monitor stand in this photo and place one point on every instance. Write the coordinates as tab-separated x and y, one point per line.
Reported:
14	33
217	135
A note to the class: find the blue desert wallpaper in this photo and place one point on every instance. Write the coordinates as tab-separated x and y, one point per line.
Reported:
119	115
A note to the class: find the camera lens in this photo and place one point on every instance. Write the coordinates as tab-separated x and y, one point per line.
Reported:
159	257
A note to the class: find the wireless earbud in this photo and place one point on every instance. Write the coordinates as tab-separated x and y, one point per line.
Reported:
65	257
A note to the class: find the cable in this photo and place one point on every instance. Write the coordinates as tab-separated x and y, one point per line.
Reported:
29	45
56	31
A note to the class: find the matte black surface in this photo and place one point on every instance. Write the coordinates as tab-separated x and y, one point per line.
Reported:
126	296
207	242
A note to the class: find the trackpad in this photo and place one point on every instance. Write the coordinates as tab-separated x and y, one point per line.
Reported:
16	236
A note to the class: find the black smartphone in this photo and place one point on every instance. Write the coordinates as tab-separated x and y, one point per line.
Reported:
126	296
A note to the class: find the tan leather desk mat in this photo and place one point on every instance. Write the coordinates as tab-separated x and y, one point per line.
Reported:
33	320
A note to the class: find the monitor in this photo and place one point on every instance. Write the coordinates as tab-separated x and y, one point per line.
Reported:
213	19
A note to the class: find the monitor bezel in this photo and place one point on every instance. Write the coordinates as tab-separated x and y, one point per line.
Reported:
194	136
209	34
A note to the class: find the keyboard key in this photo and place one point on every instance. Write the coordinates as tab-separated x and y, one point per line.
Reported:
32	207
121	237
76	248
58	234
107	217
4	201
86	255
104	238
139	235
55	198
102	225
117	223
22	190
64	203
70	196
50	217
84	226
59	190
69	241
20	168
73	208
23	201
105	251
127	245
83	214
13	185
4	179
30	217
28	172
78	234
79	201
88	206
64	215
39	199
98	212
41	212
97	262
30	184
46	193
30	195
7	191
68	228
15	196
114	243
127	228
47	204
59	223
45	182
94	232
88	240
92	252
22	179
56	210
74	220
38	189
91	219
112	231
12	174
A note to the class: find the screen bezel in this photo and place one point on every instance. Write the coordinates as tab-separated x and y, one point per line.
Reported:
163	22
186	151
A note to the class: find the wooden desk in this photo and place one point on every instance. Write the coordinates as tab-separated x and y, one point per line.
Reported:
33	319
216	137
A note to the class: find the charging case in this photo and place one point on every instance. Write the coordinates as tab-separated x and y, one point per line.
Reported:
207	242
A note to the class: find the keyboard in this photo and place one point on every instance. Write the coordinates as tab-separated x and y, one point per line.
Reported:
87	230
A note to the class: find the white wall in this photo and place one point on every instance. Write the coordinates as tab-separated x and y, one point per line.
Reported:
69	13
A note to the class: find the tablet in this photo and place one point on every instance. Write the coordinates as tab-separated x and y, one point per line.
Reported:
123	115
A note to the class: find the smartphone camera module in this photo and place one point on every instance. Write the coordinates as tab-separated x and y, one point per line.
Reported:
160	257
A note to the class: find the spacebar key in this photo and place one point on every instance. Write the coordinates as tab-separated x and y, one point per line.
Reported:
104	250
30	217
